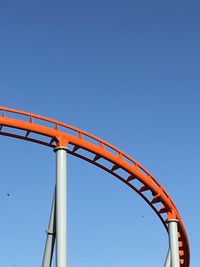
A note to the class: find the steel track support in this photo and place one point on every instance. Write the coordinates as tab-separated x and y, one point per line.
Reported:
61	206
50	239
168	259
173	242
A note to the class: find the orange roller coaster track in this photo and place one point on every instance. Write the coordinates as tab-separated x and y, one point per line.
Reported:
52	133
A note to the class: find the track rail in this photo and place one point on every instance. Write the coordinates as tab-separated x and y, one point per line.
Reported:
52	133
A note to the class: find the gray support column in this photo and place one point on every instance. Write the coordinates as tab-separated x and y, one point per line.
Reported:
50	240
173	242
168	260
61	207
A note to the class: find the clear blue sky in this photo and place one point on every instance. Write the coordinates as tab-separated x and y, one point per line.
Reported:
126	71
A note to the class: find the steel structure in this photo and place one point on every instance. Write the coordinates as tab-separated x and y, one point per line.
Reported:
66	139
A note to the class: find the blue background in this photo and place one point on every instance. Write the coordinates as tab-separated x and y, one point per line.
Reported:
126	71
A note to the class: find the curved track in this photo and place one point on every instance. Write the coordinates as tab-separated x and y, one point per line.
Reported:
52	133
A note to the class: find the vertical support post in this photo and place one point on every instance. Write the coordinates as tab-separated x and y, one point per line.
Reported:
61	207
50	240
168	259
173	242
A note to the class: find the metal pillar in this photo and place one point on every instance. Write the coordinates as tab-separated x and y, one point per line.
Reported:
61	207
168	260
173	242
50	239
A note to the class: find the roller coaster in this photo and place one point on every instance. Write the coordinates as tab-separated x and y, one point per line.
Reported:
66	139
